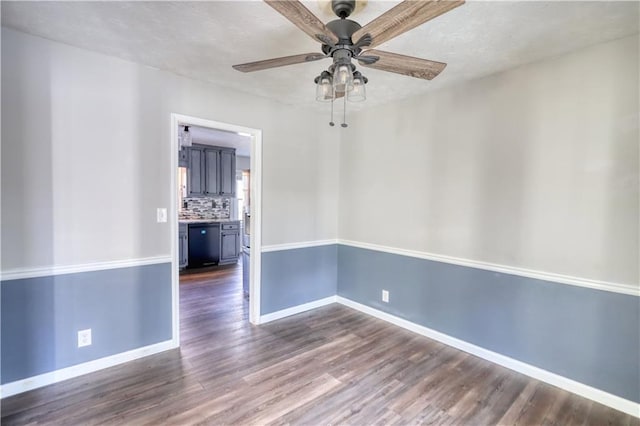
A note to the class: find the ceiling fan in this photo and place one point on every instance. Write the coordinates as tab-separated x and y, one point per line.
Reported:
343	40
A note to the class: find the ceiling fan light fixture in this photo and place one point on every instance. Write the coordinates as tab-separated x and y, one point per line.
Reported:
324	87
342	78
359	92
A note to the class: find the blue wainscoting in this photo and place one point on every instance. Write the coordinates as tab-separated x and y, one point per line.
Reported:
587	335
126	308
297	276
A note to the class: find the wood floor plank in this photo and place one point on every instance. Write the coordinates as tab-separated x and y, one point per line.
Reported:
574	411
332	365
537	406
497	399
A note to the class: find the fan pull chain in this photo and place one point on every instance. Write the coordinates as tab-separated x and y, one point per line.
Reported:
331	123
344	110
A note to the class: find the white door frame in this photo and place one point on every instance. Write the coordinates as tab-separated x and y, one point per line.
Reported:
256	214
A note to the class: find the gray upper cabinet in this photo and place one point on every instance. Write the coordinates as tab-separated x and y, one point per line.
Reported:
212	171
195	173
228	173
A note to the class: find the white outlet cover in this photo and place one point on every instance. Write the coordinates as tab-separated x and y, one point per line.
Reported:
385	296
84	338
161	215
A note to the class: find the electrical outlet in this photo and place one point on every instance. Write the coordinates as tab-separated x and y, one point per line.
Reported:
161	215
84	337
385	296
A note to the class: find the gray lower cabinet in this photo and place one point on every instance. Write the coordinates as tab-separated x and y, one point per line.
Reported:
229	242
212	171
183	245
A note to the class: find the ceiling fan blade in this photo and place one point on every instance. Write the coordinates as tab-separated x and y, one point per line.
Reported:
279	62
404	17
401	64
302	17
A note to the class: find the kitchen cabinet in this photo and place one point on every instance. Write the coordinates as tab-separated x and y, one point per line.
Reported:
229	242
183	246
212	171
195	172
228	173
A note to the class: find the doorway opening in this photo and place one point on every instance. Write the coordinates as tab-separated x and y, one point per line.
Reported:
215	213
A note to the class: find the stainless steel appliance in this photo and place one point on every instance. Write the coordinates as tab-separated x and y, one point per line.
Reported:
204	244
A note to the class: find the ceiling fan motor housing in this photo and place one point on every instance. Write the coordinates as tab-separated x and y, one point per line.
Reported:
343	29
345	48
343	8
343	57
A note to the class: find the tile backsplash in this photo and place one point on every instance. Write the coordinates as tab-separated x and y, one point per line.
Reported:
205	208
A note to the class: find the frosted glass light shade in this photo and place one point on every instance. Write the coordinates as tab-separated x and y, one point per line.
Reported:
359	92
324	90
342	79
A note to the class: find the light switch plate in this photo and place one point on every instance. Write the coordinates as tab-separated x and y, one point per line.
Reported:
385	296
162	215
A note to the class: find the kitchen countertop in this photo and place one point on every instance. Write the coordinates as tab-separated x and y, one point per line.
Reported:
207	220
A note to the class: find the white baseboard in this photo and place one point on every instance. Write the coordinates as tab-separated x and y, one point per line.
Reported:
297	309
578	388
45	379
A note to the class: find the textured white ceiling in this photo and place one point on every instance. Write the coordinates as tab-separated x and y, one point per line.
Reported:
202	40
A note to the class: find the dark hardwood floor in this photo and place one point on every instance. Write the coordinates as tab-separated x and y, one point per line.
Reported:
332	365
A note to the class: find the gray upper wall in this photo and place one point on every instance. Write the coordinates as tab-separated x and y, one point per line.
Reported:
86	159
536	168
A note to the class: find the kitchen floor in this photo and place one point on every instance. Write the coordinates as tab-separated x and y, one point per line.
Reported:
216	274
